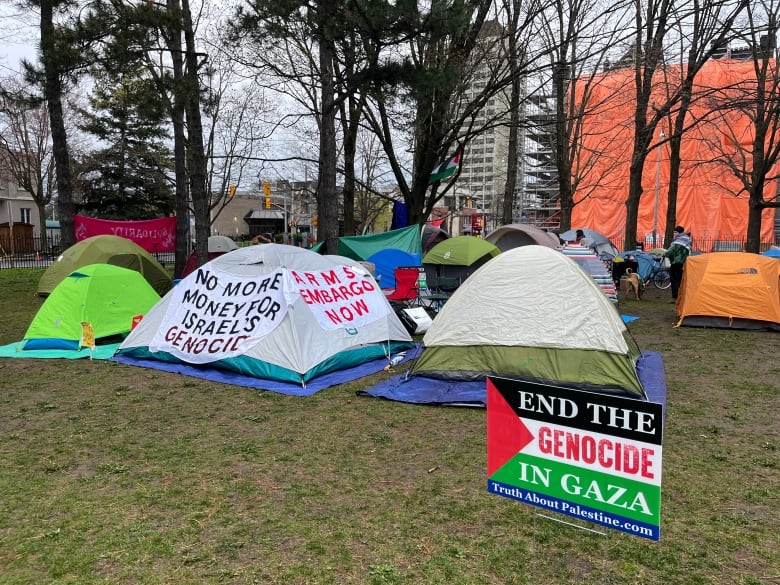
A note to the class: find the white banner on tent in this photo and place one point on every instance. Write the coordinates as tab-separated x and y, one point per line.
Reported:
213	315
340	298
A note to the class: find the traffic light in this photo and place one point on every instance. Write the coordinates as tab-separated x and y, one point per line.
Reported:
267	191
468	201
232	191
268	203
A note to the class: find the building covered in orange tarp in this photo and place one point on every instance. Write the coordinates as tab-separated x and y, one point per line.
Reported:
711	201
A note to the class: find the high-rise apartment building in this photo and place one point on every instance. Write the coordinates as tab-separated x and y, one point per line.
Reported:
482	181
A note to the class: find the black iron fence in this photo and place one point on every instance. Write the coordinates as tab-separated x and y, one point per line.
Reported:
29	252
702	244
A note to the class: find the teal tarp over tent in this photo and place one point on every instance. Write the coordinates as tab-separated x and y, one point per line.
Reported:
407	239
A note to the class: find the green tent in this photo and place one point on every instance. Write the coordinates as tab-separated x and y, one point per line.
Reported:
460	251
106	249
105	296
408	239
457	257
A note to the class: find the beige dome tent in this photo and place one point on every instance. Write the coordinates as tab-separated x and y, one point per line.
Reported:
532	313
513	235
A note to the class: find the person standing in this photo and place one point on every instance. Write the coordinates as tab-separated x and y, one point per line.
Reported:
677	253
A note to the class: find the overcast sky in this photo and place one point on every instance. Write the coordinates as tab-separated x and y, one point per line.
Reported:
18	38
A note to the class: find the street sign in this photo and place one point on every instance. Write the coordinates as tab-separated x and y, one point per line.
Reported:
591	456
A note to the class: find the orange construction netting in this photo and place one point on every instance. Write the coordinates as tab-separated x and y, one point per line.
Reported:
711	202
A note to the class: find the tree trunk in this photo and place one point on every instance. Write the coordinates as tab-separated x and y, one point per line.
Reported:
507	209
182	191
563	144
762	121
675	143
510	187
179	148
327	197
350	148
634	196
44	233
53	94
755	209
197	156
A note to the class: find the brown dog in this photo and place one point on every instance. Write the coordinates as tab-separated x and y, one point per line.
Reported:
634	284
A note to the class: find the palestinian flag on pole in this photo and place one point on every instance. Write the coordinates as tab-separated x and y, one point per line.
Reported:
446	169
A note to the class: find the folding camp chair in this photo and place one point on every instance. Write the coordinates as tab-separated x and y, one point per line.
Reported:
406	287
445	286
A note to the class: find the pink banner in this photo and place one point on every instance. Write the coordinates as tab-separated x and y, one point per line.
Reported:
153	235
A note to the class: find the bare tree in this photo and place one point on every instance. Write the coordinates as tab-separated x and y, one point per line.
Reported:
369	204
57	59
746	116
235	113
162	35
515	55
196	154
430	90
709	23
25	146
171	33
301	41
350	117
707	30
579	46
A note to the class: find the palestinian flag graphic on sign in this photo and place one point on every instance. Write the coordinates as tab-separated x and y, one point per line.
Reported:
594	457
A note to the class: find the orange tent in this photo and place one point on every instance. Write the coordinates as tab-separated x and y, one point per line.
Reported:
730	289
711	202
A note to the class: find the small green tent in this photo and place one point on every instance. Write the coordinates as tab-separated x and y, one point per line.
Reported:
457	257
105	296
106	249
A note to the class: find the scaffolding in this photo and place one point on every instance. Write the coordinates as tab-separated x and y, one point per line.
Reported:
539	201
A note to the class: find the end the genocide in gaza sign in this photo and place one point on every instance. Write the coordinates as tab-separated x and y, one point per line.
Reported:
590	456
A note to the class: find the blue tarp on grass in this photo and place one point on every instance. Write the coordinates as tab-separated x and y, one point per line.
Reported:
228	377
422	390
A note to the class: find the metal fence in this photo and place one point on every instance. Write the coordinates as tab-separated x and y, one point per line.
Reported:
704	244
29	253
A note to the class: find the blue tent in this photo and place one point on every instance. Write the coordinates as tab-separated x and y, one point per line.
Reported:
386	261
772	253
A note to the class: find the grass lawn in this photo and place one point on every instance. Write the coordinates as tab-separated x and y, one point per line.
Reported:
117	474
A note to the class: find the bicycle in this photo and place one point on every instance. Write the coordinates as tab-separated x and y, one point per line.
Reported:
659	275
